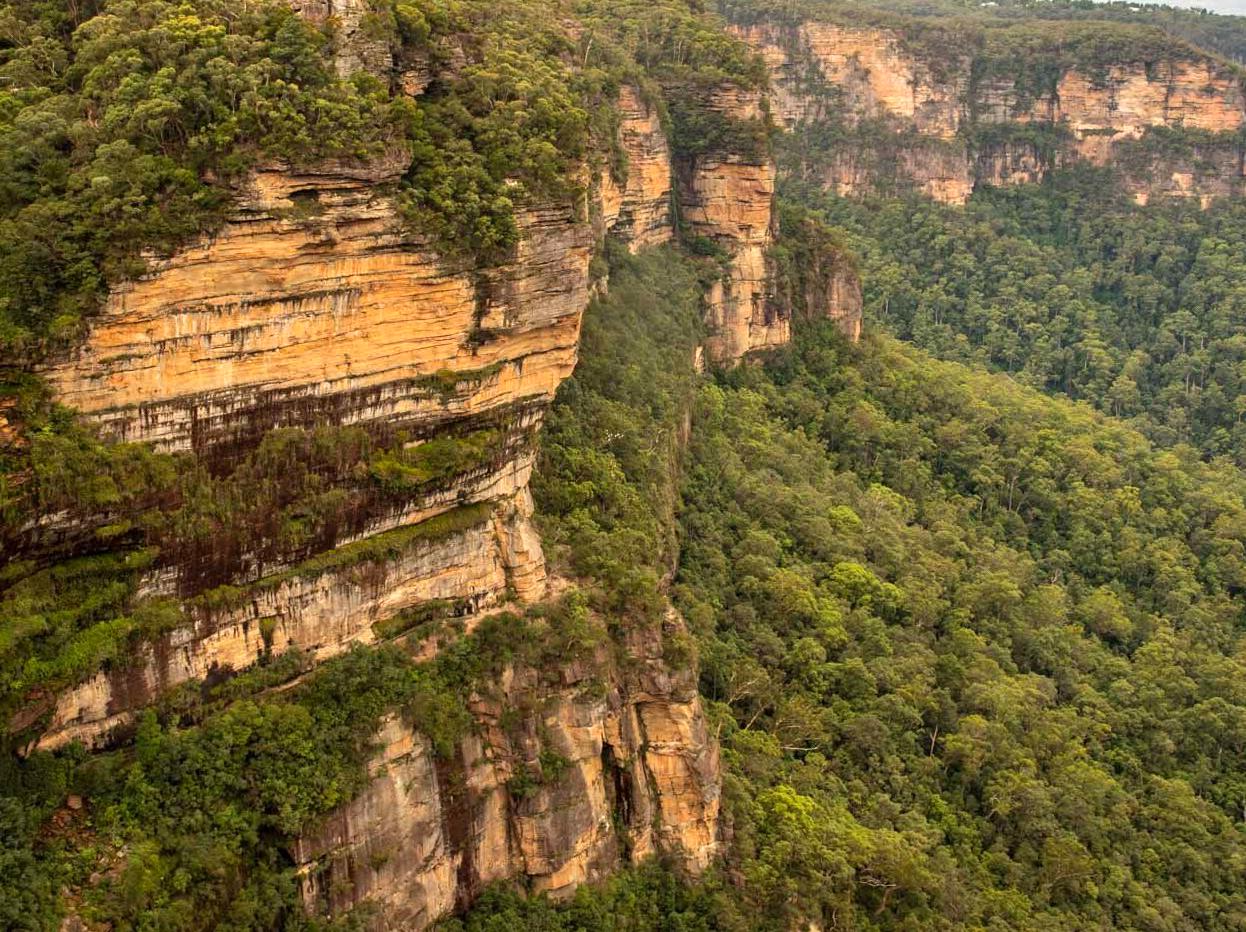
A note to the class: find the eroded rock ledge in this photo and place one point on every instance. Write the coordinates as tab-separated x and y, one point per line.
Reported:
636	773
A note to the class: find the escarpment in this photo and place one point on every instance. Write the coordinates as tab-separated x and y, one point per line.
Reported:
887	109
727	198
637	208
315	307
341	414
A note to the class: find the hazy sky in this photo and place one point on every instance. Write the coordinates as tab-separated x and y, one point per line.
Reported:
1216	6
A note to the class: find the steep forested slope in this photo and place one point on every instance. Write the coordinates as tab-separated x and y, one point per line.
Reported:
978	650
974	655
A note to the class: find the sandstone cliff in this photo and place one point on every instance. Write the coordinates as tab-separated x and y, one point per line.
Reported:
727	197
900	119
616	765
315	305
638	210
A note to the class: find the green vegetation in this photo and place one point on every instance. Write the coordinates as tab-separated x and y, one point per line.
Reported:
973	654
61	624
650	898
189	827
1036	54
514	122
970	646
286	502
606	486
379	548
1045	140
1027	33
1162	149
1070	287
112	116
507	126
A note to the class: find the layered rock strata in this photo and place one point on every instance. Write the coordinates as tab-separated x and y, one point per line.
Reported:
475	557
637	209
635	773
315	306
871	77
728	198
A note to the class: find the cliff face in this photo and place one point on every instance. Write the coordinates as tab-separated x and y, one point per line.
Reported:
944	128
474	557
728	198
639	209
874	74
1123	102
315	307
604	774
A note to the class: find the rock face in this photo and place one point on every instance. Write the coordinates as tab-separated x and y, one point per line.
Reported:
316	306
940	171
1124	102
356	48
616	766
968	105
474	558
313	306
728	198
639	209
879	79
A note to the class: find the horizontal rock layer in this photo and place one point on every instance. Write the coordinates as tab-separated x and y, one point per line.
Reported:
318	612
728	198
315	306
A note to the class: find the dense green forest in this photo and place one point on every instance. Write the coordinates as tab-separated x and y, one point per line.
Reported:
982	646
974	653
1070	287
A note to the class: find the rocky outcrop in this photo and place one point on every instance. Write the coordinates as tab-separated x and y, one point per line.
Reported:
1008	162
843	302
1123	102
359	44
873	74
890	102
616	765
637	208
315	305
816	277
728	198
940	171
